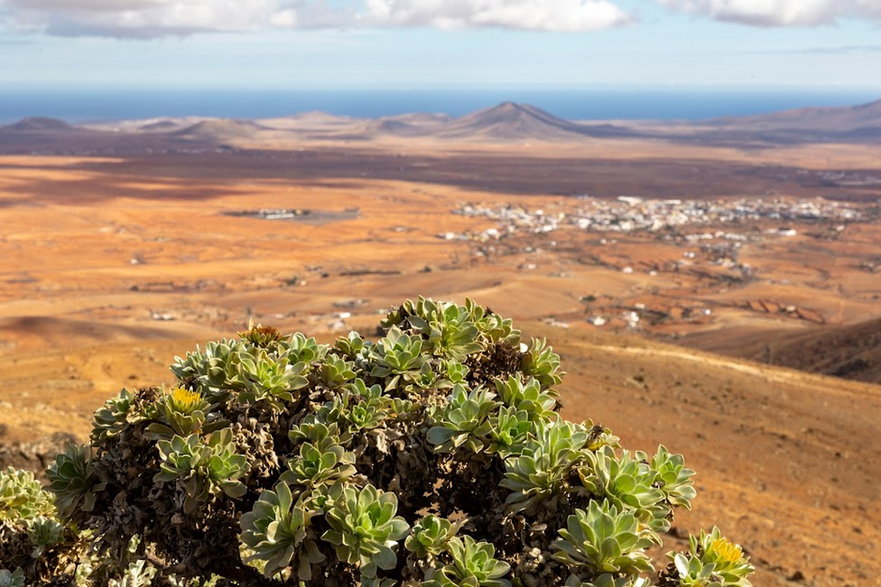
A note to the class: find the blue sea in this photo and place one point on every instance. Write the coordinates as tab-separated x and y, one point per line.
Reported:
585	104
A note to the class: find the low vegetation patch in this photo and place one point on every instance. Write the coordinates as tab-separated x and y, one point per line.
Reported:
435	456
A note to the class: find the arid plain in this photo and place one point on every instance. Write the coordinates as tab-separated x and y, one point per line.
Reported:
714	290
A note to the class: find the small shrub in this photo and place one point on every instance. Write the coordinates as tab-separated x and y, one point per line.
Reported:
435	455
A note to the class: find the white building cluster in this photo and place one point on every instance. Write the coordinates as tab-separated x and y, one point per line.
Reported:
629	214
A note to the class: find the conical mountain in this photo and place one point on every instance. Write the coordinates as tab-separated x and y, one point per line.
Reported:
513	121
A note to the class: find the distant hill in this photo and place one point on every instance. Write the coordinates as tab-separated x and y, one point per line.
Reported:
861	122
38	123
511	120
218	131
159	125
412	125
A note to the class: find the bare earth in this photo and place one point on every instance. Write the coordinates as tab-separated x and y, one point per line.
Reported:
111	266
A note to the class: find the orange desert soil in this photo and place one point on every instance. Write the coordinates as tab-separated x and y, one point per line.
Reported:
111	267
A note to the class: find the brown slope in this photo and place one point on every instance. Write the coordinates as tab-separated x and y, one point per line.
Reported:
852	351
786	461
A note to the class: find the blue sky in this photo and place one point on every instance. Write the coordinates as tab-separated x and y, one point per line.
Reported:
296	44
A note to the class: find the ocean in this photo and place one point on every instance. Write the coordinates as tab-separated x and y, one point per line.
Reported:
581	104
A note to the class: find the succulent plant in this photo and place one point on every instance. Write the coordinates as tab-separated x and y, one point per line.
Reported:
454	372
529	397
449	331
202	469
317	464
464	420
357	407
364	528
712	561
603	539
430	535
73	481
673	478
336	372
495	328
44	533
609	580
14	578
278	533
36	547
473	564
509	431
316	432
178	412
265	378
398	358
114	416
300	348
22	497
214	370
627	482
542	363
543	467
279	460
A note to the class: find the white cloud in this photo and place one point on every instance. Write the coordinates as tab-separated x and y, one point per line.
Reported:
779	12
548	15
141	18
155	18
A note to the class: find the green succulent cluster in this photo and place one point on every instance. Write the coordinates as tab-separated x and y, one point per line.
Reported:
430	536
262	368
278	532
473	564
364	529
22	497
32	538
711	561
605	540
113	416
12	578
181	412
434	454
201	468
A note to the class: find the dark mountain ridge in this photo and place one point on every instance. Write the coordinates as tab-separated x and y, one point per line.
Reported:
509	121
839	118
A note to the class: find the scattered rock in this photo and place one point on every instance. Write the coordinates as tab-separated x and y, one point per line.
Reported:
797	576
34	456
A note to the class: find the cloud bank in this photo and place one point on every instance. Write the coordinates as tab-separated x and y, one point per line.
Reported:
145	18
546	15
779	13
157	18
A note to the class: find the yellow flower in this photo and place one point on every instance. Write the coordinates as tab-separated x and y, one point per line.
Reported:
185	401
721	550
